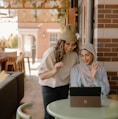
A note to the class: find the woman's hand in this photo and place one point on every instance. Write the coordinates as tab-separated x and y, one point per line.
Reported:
52	72
58	65
93	70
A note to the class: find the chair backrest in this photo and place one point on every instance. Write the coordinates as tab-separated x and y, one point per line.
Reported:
2	54
11	53
20	114
11	56
20	58
20	62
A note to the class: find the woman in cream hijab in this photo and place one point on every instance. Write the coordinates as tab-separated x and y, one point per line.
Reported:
88	73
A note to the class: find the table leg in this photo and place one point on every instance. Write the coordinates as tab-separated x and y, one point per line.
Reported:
29	65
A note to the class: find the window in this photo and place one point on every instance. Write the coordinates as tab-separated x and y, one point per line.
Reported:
53	38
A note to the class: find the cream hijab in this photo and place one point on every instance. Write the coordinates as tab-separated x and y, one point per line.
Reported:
84	69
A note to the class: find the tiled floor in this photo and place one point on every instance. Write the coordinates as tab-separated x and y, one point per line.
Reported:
32	92
33	67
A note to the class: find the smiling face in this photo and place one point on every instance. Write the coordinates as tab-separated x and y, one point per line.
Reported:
69	46
86	57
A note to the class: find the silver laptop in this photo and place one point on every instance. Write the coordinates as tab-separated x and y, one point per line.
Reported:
85	96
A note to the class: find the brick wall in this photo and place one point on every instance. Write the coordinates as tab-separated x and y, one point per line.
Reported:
106	40
107	49
108	16
113	79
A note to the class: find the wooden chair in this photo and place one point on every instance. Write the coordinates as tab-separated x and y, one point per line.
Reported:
20	63
11	61
20	114
2	60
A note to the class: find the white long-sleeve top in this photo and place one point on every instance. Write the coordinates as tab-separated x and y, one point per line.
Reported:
101	79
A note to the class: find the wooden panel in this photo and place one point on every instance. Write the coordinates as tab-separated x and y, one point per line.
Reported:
71	16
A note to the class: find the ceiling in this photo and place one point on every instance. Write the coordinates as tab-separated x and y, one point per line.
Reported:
33	10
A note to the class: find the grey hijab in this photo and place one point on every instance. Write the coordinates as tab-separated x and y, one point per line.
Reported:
84	69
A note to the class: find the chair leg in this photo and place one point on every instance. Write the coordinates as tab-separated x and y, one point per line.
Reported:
29	65
14	67
11	66
6	68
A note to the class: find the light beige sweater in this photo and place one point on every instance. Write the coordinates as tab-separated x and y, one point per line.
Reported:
62	77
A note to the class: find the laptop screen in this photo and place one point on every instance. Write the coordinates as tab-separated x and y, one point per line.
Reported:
85	96
85	91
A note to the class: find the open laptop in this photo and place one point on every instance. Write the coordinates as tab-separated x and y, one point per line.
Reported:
85	96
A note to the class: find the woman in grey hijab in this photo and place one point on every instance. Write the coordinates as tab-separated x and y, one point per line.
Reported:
88	73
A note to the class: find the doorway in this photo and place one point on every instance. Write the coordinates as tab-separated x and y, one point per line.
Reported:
27	42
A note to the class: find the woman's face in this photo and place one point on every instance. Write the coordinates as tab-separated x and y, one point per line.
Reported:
69	46
86	57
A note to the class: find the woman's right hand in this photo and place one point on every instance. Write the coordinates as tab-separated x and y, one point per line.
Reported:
58	65
52	72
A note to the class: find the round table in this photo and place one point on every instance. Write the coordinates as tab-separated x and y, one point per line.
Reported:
61	109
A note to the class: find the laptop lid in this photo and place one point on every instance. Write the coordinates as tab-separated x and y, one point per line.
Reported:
85	96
